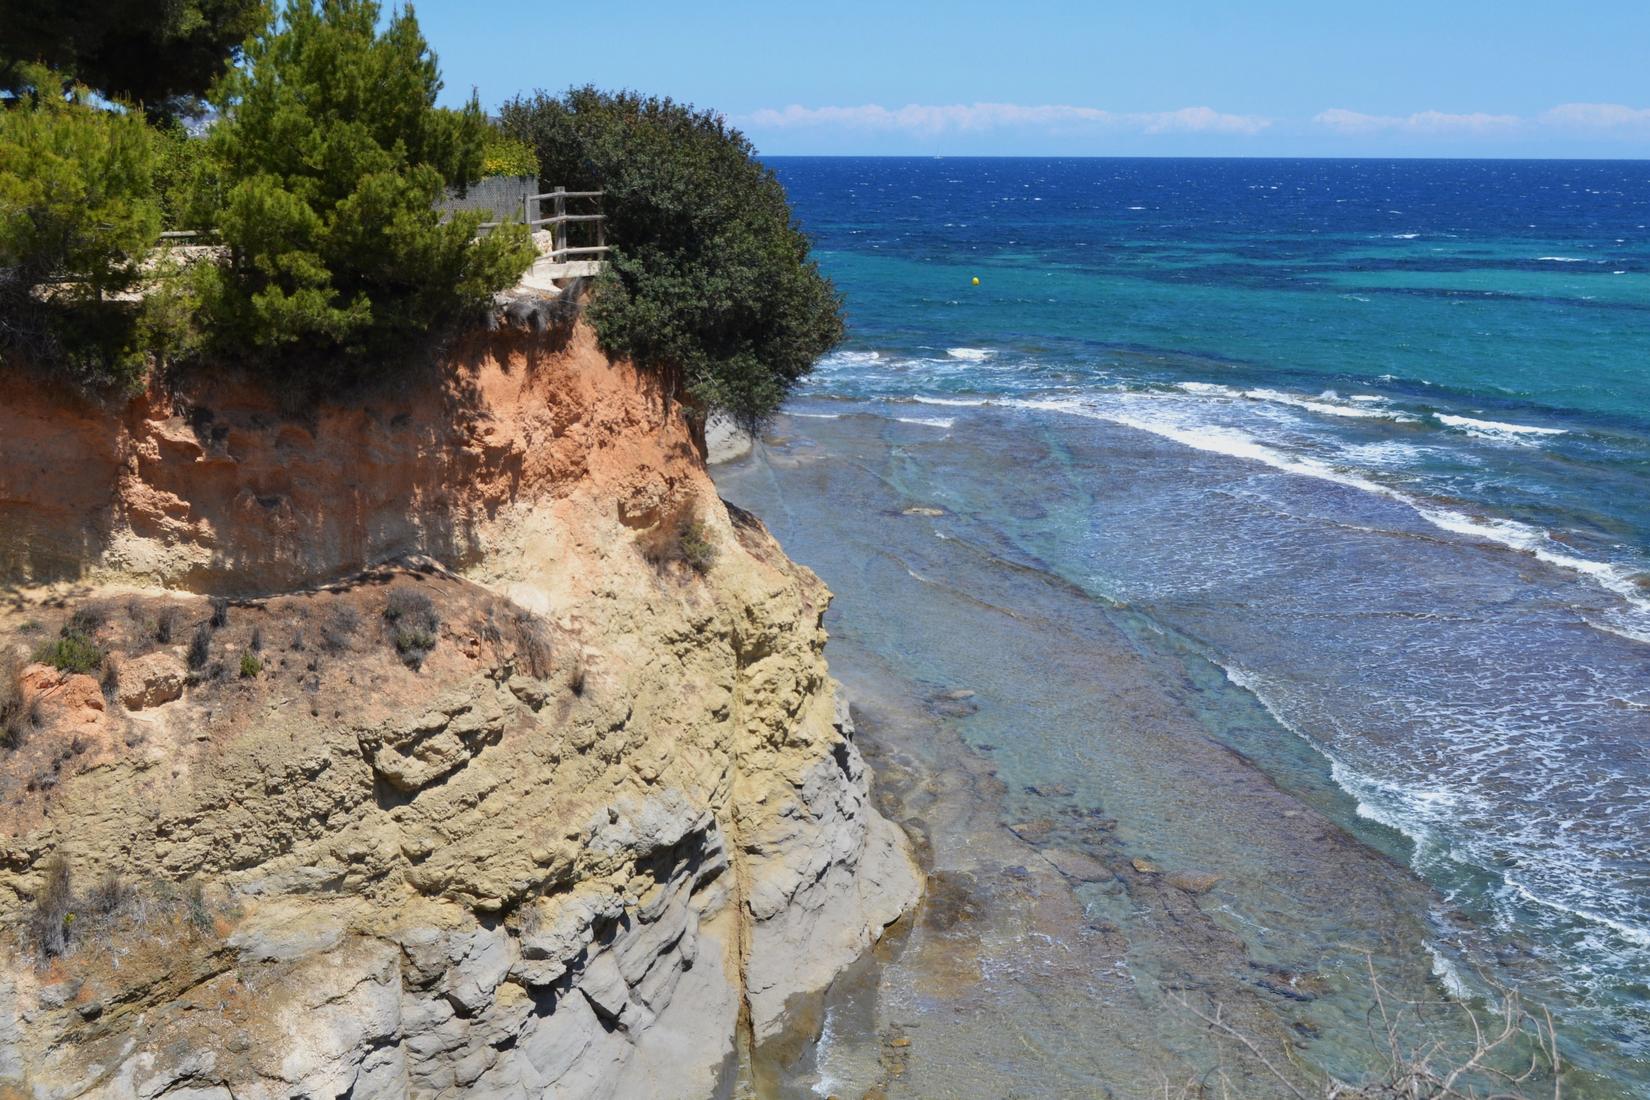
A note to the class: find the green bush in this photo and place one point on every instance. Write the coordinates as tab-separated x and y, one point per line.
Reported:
78	217
696	547
413	623
250	666
73	652
711	283
329	157
503	155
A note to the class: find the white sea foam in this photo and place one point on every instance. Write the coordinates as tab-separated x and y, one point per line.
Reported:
1326	405
1530	540
1561	259
960	402
971	355
1218	439
1448	975
816	416
1405	236
927	421
1496	429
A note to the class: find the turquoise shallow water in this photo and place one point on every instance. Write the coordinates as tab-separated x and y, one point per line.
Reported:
1371	437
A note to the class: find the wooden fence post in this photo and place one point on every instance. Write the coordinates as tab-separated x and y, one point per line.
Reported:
560	209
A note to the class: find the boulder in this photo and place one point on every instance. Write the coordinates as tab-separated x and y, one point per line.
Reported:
151	680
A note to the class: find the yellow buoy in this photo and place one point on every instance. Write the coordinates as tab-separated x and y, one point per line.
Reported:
976	280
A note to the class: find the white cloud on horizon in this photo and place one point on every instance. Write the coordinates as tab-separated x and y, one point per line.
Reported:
930	119
1596	120
1597	116
1422	122
1591	117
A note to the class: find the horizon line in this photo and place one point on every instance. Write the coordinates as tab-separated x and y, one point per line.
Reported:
1590	158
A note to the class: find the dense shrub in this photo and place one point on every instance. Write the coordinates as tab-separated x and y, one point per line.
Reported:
711	283
76	649
250	666
413	624
329	157
162	55
78	217
503	155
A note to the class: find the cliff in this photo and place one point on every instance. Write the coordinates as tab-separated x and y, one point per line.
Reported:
506	761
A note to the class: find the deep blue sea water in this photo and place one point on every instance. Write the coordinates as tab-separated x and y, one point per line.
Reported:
1400	488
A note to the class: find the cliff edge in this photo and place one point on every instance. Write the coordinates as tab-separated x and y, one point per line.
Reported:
457	740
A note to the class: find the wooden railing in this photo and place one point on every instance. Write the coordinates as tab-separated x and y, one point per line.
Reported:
560	220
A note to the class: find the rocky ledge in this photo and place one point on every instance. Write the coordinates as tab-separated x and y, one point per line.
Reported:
457	741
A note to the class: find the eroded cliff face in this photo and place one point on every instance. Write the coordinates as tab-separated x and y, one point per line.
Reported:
486	782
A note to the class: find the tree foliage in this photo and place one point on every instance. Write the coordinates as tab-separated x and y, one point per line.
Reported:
328	158
711	283
162	54
78	217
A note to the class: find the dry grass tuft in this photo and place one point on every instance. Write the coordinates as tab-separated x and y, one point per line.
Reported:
19	708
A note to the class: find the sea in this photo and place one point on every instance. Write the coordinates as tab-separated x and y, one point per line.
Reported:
1367	441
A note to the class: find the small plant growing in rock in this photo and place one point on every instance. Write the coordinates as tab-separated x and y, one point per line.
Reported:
109	681
166	625
257	642
250	666
220	613
200	648
19	710
695	546
413	624
109	897
532	638
340	628
53	911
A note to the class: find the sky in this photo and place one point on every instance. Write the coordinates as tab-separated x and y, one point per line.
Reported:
1453	78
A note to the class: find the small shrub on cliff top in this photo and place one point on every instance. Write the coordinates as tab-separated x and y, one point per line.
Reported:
250	666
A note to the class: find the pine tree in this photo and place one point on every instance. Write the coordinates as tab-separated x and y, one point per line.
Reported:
328	159
78	217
